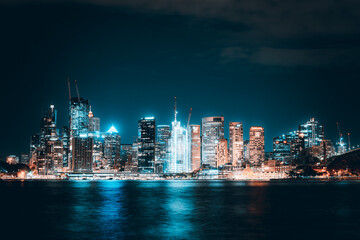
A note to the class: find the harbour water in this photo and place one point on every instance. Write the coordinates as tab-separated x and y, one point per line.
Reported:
180	210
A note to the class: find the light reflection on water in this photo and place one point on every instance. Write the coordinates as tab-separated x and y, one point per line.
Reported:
181	209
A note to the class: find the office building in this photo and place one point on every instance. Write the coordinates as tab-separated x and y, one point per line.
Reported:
221	152
212	129
312	133
236	143
256	146
112	148
146	144
82	154
163	138
194	147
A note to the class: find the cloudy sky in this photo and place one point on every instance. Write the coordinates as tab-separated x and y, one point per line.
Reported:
261	62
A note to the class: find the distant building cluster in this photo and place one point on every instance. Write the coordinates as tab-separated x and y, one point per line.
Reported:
81	147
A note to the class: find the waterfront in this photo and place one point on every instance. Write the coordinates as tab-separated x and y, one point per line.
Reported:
180	209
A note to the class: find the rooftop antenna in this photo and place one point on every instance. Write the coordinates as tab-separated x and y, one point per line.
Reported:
77	90
175	109
69	88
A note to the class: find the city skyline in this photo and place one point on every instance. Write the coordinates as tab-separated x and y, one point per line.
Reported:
130	60
99	127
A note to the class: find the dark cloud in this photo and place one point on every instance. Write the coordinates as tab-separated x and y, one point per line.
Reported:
293	57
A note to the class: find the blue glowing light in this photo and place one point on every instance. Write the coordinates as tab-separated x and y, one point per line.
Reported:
112	130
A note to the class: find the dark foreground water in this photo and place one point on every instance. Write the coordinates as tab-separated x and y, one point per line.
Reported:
179	210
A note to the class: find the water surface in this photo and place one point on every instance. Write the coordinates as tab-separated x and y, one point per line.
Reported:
180	210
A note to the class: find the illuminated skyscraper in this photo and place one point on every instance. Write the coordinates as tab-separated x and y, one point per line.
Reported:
256	146
178	157
94	122
42	146
236	143
163	138
112	148
212	129
313	133
79	129
66	146
194	147
287	146
79	119
221	152
146	144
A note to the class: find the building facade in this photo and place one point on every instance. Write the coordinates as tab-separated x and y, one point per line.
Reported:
256	146
236	143
146	144
212	129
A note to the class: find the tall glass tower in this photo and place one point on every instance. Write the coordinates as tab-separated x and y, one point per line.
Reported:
146	144
212	130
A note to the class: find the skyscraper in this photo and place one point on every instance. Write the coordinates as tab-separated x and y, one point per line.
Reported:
79	138
221	152
94	122
256	146
66	146
212	129
112	148
43	145
146	144
179	161
312	132
79	119
163	138
194	147
82	154
236	143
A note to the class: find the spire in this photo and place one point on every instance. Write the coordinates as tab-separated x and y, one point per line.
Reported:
90	113
175	109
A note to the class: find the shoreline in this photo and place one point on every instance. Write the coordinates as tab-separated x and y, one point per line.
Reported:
286	180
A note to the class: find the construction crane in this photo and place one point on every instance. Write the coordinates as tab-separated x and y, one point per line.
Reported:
188	122
77	90
340	135
69	88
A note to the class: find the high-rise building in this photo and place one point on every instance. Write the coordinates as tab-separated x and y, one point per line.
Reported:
94	122
82	154
287	146
66	146
282	149
178	161
112	148
212	129
194	147
79	129
42	145
221	152
79	119
256	146
236	143
146	144
312	133
163	138
126	157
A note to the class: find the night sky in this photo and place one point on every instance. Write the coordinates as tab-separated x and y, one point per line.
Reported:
261	62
